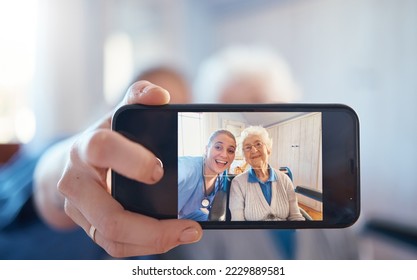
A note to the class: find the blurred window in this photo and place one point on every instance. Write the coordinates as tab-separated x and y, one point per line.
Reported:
18	23
118	66
190	131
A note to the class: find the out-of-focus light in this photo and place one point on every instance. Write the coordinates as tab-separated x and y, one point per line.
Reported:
18	24
6	129
25	125
18	31
118	66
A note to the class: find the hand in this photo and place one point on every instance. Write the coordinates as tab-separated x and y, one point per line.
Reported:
88	201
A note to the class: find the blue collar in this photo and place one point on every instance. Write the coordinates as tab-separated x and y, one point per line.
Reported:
253	179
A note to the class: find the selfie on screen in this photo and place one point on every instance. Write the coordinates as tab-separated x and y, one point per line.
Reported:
249	166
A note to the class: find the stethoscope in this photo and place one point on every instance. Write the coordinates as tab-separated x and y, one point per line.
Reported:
205	202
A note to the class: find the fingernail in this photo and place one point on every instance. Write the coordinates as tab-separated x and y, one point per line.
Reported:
160	162
189	235
158	171
146	89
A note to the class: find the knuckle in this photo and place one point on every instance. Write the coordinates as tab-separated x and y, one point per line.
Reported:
67	208
64	185
97	145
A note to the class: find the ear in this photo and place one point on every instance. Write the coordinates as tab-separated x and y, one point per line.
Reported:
268	151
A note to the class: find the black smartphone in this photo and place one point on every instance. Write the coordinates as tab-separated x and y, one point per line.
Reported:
244	166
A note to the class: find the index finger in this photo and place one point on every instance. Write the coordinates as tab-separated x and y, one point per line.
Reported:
142	92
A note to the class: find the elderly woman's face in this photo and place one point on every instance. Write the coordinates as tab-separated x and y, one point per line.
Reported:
256	152
220	153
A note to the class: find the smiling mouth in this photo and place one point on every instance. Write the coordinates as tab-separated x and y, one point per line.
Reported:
221	162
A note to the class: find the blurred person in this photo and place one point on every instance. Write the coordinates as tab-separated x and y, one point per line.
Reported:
261	193
200	178
258	74
169	78
245	74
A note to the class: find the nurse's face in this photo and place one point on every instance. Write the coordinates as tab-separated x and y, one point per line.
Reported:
220	154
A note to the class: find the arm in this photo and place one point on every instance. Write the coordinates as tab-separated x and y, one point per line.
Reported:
295	214
83	192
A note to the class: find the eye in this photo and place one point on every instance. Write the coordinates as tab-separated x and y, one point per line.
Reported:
258	145
231	151
247	148
218	147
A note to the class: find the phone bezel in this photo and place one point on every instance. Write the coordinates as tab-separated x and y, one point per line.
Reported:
338	120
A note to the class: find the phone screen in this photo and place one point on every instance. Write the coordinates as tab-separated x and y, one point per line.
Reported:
246	166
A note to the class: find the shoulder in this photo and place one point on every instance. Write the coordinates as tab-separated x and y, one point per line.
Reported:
242	177
241	180
283	179
281	175
189	168
188	162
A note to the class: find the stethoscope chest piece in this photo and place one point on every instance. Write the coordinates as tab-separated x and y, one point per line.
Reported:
205	202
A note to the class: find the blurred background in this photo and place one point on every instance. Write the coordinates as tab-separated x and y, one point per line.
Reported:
63	63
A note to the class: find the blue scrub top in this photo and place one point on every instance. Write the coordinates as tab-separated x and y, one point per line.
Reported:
191	188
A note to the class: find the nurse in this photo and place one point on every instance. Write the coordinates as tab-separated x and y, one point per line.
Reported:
200	177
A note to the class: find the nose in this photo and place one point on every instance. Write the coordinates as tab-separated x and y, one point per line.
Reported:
224	153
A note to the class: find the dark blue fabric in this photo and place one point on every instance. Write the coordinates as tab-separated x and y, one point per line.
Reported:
16	184
22	234
28	238
285	242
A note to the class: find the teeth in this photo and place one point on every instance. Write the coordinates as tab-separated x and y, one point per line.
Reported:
221	161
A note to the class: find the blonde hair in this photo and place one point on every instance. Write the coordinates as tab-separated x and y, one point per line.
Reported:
218	132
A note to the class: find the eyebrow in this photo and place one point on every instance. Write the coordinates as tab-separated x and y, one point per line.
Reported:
257	141
220	142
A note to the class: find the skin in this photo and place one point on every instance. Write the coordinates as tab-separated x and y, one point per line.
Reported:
257	158
170	80
220	155
84	199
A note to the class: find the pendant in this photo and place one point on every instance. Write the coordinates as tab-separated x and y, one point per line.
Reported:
205	202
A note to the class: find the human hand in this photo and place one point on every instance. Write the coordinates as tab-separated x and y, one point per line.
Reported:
87	199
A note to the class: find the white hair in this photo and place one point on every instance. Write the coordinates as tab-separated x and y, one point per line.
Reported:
245	61
259	131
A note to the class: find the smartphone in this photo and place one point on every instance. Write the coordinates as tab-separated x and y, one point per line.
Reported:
313	154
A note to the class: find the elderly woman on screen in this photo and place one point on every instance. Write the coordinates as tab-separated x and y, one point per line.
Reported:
261	193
